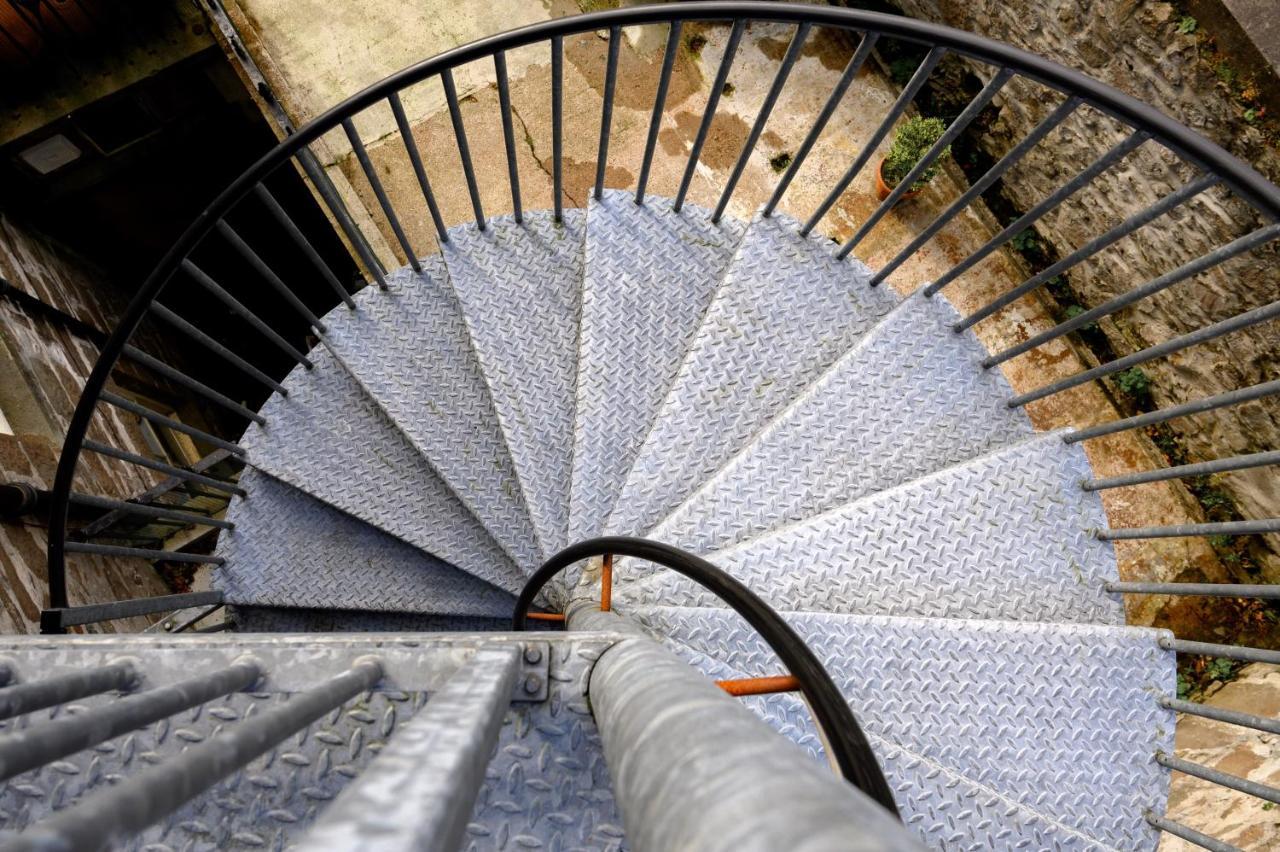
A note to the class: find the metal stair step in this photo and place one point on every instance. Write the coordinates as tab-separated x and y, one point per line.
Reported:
907	400
291	550
786	311
520	286
409	348
1004	536
650	274
1062	719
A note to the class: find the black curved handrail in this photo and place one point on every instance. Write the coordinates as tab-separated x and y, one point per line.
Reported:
848	745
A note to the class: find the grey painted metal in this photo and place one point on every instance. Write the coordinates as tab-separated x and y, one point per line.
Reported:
521	290
283	536
1089	249
638	320
982	184
659	105
152	464
415	160
1222	714
1190	835
141	553
508	137
787	309
1244	462
22	698
148	511
847	76
1219	590
464	150
244	313
891	409
176	425
1231	652
44	742
94	613
265	619
1267	525
214	346
954	129
1205	261
1185	409
199	616
1177	344
375	183
324	186
437	396
1050	203
693	769
155	492
762	117
557	126
917	81
329	438
419	793
708	112
1224	779
114	813
1004	536
176	376
606	108
1095	682
300	239
268	274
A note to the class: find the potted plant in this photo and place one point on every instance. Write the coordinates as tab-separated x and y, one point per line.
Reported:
915	136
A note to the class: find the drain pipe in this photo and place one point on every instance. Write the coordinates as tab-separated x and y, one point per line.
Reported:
694	769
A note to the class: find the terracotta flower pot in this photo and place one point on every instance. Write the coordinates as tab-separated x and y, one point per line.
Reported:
883	189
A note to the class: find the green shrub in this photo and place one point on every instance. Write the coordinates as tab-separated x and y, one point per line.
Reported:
916	136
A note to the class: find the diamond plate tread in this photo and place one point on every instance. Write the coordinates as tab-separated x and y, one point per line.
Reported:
290	550
1061	719
786	311
1005	536
650	274
329	439
520	286
410	349
262	619
909	399
945	809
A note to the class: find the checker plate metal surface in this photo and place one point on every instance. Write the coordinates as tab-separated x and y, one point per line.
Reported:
786	311
1005	536
650	274
909	399
1060	718
410	349
290	550
521	291
329	439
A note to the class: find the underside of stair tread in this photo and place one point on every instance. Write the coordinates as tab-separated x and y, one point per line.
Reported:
410	349
267	619
945	809
650	274
787	309
290	550
907	400
329	439
1005	536
1060	718
520	286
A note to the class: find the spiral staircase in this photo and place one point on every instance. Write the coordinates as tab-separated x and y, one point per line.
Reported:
743	392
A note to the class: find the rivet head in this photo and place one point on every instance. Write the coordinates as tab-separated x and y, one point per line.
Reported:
532	654
532	684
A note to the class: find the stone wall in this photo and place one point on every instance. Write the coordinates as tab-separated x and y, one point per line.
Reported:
1139	48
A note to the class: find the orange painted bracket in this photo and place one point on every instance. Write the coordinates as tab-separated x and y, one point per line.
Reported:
545	616
759	685
606	583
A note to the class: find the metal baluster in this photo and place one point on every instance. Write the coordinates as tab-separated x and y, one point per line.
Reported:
300	239
917	81
320	181
1208	590
833	101
1269	525
215	347
557	125
1243	462
1190	835
993	174
957	126
151	464
508	133
1231	652
1092	247
181	378
260	266
203	279
1233	782
1186	409
775	91
169	423
464	150
22	698
659	102
606	110
709	114
1077	183
415	159
1221	714
148	511
366	165
141	553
